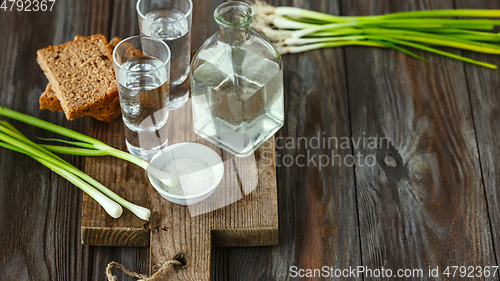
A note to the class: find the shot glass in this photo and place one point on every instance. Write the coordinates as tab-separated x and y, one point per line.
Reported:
142	68
170	21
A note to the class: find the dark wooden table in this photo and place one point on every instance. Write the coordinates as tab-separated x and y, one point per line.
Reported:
431	199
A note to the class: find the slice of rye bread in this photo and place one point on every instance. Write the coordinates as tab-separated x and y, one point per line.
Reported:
111	110
114	42
81	75
49	100
108	112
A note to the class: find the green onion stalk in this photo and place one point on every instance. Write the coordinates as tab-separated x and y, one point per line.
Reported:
13	139
295	30
94	146
110	206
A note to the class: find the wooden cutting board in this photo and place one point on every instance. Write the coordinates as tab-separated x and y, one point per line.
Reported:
242	211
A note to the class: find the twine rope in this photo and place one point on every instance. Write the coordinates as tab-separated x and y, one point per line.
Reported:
142	277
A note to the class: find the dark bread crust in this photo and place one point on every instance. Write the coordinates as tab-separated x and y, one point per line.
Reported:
114	42
49	100
110	109
75	101
108	113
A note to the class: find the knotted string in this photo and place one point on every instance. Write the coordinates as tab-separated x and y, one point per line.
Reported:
155	276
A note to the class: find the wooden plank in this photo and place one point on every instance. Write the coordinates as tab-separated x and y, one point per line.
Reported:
484	92
251	221
120	174
135	236
122	22
199	31
125	25
423	203
317	207
40	211
125	179
136	259
203	27
221	220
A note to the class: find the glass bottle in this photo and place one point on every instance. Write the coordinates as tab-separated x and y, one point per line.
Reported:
237	84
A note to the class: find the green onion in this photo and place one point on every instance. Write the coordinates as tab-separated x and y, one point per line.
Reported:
294	30
74	150
12	136
449	41
439	52
103	148
309	47
297	45
465	34
445	13
14	141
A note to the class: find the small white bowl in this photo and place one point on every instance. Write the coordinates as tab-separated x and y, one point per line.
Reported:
192	150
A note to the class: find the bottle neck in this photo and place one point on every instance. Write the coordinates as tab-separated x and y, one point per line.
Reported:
234	20
234	36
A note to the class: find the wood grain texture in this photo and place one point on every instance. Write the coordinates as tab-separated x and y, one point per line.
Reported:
317	206
219	237
241	212
428	211
484	92
39	211
251	221
125	179
345	240
122	22
423	203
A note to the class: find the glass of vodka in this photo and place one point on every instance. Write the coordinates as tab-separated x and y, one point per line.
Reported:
142	68
170	21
